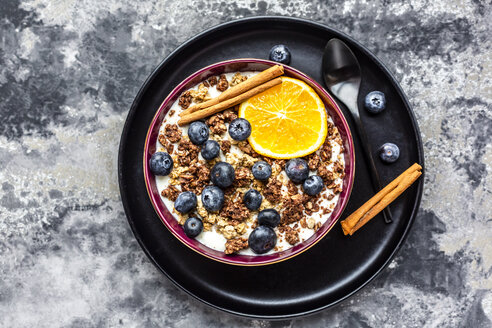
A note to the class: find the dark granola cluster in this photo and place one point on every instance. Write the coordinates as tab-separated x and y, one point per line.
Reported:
212	80
222	84
291	234
246	148
172	132
225	146
234	209
187	152
216	124
185	100
244	177
272	191
293	209
170	192
166	144
230	114
314	161
195	179
234	245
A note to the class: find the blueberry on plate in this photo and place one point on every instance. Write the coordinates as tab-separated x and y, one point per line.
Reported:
193	227
161	163
297	170
239	129
212	198
198	132
269	217
222	174
261	170
252	199
262	239
210	149
280	54
375	102
185	202
389	152
313	185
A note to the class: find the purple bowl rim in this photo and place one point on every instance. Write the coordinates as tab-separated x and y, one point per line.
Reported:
238	260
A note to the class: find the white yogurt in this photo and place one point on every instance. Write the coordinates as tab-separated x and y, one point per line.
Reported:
216	240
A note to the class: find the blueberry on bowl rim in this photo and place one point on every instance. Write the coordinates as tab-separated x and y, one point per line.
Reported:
161	163
193	227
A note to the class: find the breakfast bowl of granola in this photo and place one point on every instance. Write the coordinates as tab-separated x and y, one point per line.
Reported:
249	162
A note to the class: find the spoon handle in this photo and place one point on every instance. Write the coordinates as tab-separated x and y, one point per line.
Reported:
366	149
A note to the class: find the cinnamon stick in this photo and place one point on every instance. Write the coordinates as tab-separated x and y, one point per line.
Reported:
238	89
382	199
228	103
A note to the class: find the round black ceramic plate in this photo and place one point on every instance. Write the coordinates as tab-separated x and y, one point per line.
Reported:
336	267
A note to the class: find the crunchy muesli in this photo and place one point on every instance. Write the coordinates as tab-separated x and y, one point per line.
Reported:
222	84
238	78
234	221
244	177
172	132
212	81
185	99
272	191
171	192
166	143
291	235
225	146
216	124
233	246
230	115
195	179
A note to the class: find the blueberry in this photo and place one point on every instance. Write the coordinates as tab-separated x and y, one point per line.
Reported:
192	227
210	149
198	132
269	217
222	174
252	199
239	129
313	185
262	239
375	102
185	202
212	198
161	163
389	152
297	170
261	170
280	54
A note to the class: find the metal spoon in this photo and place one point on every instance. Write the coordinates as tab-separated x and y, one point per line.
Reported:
341	72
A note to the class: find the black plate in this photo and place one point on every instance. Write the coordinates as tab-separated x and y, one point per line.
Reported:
337	266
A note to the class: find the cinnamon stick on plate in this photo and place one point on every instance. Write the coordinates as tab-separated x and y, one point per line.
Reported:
185	119
254	81
382	199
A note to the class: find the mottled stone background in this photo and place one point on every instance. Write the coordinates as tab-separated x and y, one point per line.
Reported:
69	71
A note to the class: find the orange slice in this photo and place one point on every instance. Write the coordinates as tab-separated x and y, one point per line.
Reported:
287	121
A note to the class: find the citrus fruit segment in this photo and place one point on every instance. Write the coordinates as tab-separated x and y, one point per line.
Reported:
287	121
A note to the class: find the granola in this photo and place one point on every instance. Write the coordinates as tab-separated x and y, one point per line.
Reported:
300	215
216	124
201	94
222	84
233	246
172	132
